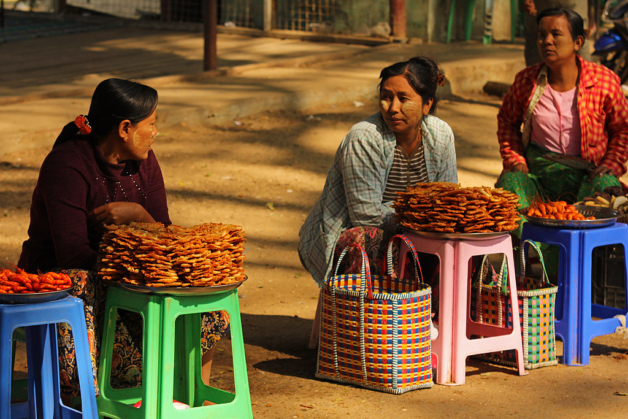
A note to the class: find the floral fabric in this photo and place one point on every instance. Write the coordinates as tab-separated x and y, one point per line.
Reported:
127	347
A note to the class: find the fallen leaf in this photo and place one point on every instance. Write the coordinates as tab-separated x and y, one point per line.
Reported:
617	393
269	405
270	206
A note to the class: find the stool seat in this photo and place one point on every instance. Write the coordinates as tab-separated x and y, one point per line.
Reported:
171	366
574	310
452	346
39	322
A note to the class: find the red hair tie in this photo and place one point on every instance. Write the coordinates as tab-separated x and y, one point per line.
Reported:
83	125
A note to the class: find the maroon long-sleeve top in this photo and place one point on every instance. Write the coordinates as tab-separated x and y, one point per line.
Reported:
74	179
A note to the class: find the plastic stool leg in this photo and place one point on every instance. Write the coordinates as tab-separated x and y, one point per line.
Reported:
6	333
514	302
570	327
495	338
83	359
40	371
239	359
443	345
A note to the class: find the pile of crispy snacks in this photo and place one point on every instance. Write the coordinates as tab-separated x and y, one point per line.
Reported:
158	256
448	208
21	282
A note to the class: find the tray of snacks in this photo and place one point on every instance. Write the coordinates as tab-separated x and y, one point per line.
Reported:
144	289
562	215
153	258
23	288
447	210
613	198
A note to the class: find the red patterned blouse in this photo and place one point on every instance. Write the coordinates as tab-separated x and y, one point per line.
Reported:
602	108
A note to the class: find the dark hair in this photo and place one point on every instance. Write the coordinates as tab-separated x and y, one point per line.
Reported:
113	101
422	74
576	24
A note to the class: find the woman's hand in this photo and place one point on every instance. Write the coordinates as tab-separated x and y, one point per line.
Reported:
519	167
120	213
529	7
600	171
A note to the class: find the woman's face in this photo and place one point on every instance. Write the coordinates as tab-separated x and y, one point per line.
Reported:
141	136
402	108
555	42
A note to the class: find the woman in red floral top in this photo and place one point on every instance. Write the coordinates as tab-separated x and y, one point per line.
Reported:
566	106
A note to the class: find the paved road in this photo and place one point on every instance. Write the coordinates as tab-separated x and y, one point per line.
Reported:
48	81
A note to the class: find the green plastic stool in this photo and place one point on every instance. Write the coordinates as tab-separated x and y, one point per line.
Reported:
166	358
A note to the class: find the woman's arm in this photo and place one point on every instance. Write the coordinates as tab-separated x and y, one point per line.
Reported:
616	110
364	178
64	191
509	120
448	170
156	210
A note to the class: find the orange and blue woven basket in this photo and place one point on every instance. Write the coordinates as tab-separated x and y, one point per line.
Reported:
375	330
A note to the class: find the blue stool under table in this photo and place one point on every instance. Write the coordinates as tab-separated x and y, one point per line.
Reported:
44	396
574	307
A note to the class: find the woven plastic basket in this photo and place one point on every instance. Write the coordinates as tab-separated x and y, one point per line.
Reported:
536	301
375	330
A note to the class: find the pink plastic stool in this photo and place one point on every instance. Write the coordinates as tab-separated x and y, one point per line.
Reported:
452	347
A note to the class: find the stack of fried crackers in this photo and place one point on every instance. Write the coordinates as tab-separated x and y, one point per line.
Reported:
159	256
448	208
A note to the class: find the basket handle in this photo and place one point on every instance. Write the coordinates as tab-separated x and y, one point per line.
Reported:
502	284
522	258
415	257
365	272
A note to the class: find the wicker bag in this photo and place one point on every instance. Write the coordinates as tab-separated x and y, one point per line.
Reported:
536	300
375	330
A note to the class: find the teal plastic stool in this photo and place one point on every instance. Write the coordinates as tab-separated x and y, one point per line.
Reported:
172	367
488	30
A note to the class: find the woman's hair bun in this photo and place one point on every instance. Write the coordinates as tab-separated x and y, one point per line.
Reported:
441	79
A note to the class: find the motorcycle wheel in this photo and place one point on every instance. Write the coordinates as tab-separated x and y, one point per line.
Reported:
617	62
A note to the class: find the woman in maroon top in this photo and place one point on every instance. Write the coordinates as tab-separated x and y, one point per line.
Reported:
105	172
102	170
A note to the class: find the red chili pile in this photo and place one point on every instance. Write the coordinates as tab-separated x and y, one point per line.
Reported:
21	282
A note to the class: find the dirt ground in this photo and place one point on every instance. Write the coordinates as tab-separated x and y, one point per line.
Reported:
265	173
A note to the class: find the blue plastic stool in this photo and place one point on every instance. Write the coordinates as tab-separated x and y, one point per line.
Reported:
575	327
44	398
